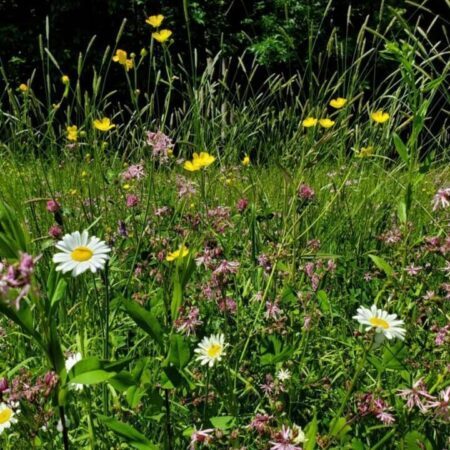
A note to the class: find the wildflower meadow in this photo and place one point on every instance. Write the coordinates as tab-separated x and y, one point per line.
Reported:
217	253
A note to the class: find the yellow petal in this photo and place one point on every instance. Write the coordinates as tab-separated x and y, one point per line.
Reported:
326	123
380	116
338	103
309	122
155	21
162	36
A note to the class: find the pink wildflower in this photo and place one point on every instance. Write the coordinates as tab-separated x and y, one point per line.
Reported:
132	200
202	436
442	199
416	395
136	171
283	440
53	206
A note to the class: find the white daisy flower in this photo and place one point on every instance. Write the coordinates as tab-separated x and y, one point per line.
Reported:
69	363
6	417
80	253
211	349
386	324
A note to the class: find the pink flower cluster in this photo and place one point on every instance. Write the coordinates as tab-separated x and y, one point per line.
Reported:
161	145
15	279
369	404
188	321
284	440
23	387
317	270
134	172
442	199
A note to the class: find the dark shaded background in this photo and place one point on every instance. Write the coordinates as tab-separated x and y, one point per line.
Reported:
274	31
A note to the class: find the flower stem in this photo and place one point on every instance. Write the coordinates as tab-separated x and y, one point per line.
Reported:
106	337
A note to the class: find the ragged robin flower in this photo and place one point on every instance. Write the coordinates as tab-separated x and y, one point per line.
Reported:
162	35
155	21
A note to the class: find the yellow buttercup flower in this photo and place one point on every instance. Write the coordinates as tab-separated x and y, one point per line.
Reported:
180	253
199	161
129	64
246	160
65	80
338	103
380	116
309	122
120	57
365	152
191	166
326	123
162	36
72	133
155	21
23	87
103	124
143	52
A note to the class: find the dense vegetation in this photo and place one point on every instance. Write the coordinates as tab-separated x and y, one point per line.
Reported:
245	249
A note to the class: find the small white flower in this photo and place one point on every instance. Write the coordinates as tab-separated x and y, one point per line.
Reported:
283	374
299	434
211	349
7	418
59	426
80	253
386	324
69	363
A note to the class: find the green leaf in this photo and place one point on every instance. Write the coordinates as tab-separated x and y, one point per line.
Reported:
145	319
223	422
310	434
323	301
58	294
96	366
401	211
177	296
382	265
122	381
127	432
339	428
92	377
401	148
179	351
393	355
13	238
417	441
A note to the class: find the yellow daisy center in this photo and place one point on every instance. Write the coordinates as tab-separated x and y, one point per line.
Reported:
214	351
81	254
380	323
5	415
